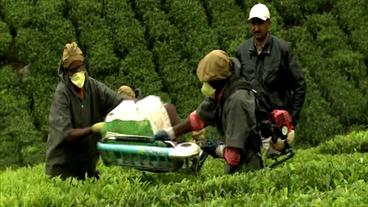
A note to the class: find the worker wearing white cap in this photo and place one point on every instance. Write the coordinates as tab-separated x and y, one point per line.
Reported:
259	19
271	67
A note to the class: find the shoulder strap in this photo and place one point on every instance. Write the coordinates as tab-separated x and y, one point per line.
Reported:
235	82
236	66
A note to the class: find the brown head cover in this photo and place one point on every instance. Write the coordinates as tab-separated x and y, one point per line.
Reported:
72	55
214	66
126	92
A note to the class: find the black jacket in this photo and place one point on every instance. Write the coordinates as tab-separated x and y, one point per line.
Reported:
275	74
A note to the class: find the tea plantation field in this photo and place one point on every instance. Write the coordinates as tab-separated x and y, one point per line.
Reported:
333	174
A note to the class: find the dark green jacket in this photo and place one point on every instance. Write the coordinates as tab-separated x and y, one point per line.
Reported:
69	111
234	113
275	74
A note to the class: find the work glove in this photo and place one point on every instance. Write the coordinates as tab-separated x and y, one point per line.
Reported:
281	146
97	127
290	137
199	137
213	148
161	135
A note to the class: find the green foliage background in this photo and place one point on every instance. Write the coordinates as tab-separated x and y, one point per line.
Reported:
156	45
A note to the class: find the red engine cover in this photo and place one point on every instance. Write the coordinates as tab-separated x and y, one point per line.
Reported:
281	118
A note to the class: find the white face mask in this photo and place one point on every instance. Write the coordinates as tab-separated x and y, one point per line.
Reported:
78	79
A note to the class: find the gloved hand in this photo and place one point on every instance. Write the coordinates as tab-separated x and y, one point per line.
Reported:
97	127
279	145
211	148
200	134
167	134
199	137
161	135
290	137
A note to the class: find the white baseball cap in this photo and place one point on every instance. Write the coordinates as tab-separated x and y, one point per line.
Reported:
259	11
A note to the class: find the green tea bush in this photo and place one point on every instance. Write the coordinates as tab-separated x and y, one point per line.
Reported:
326	32
316	123
348	13
318	6
40	89
309	179
156	45
137	69
51	22
234	30
102	60
5	40
196	37
290	11
27	41
127	32
351	143
178	80
14	13
136	66
350	65
347	101
20	141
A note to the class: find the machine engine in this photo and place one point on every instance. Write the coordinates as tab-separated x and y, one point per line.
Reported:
281	123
